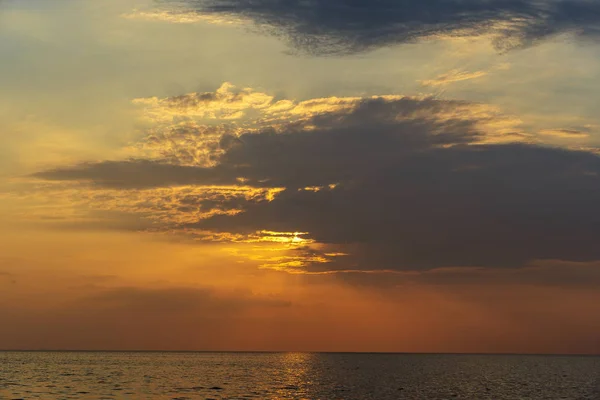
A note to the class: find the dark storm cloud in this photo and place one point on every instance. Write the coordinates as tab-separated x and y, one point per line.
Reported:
347	26
413	190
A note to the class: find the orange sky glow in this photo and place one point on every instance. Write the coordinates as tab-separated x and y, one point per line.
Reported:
177	178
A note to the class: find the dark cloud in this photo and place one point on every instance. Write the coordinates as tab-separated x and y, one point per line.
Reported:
340	149
348	26
485	205
545	273
411	189
132	174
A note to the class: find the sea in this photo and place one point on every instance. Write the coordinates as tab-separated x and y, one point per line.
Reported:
326	376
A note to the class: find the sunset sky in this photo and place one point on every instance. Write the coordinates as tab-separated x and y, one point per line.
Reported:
300	175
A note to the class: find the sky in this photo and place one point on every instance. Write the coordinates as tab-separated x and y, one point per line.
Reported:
300	175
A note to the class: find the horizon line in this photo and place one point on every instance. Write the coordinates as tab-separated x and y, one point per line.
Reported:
299	351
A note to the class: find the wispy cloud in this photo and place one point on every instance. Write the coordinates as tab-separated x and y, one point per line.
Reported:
565	133
453	76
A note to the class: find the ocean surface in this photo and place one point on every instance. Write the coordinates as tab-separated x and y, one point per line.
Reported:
88	375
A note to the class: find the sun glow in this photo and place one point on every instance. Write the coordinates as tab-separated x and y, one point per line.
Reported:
291	238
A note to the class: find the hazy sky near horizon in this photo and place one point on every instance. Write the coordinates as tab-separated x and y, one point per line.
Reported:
318	175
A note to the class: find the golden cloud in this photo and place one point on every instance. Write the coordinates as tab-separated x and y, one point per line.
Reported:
565	133
182	17
187	129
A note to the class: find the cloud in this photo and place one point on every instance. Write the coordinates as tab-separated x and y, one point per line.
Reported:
227	102
195	128
565	133
345	26
179	17
134	174
453	76
316	129
486	205
541	273
70	206
234	105
547	273
382	183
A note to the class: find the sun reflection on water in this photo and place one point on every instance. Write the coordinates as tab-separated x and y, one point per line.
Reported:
298	370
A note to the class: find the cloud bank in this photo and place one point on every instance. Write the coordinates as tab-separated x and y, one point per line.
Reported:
383	183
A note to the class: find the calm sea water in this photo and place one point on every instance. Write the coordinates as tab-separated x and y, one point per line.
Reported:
58	375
